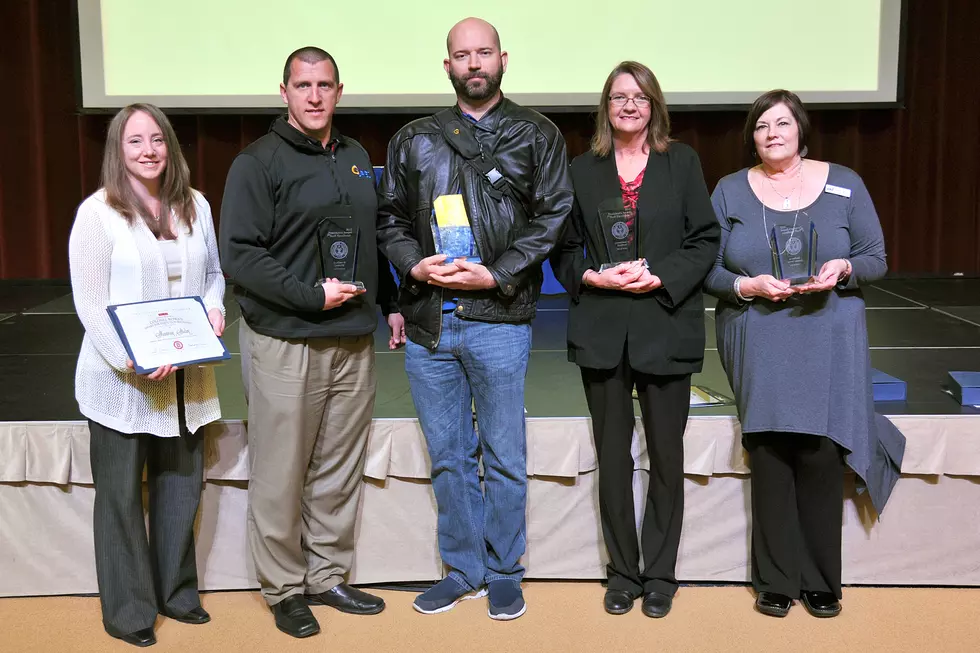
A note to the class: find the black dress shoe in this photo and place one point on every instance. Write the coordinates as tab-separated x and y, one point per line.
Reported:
618	601
196	616
348	599
295	618
773	604
657	605
820	604
141	638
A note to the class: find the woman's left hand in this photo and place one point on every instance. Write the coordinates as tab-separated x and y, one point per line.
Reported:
826	279
645	283
217	321
159	374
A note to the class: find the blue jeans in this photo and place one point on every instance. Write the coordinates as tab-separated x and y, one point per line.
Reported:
481	531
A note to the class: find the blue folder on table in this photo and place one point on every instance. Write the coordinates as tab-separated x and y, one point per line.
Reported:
965	387
885	387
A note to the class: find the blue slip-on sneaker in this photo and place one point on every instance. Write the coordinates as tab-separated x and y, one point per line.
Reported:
506	600
444	596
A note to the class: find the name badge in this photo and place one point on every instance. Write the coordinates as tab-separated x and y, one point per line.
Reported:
837	190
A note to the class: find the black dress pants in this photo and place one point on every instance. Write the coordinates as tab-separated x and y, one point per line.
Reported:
797	509
140	576
664	405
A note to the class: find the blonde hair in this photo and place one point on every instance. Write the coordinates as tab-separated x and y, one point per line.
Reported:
658	129
175	186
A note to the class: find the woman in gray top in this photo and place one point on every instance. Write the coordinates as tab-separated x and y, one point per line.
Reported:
796	353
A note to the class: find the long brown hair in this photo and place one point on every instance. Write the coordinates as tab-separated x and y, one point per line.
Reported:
658	129
175	185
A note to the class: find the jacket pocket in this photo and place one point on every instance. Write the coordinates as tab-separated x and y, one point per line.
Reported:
410	304
689	336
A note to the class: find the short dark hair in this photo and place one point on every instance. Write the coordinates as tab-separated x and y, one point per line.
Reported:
309	54
767	101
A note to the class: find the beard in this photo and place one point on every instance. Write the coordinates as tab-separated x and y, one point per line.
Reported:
489	88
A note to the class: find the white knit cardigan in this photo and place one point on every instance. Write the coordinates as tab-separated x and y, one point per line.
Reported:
112	262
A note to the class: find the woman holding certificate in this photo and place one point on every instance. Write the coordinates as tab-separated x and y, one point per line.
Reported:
792	338
145	235
640	240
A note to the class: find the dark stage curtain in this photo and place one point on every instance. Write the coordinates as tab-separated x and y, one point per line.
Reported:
921	163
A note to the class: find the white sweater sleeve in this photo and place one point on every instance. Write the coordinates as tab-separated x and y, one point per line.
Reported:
90	260
214	283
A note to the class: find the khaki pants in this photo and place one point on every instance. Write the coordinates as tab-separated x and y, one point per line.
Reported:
310	403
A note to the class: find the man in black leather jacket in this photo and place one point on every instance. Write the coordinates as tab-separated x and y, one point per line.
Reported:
468	320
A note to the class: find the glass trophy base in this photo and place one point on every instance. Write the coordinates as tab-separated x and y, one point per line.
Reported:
799	281
610	266
357	284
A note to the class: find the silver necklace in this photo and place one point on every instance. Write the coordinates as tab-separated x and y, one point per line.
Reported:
765	226
787	199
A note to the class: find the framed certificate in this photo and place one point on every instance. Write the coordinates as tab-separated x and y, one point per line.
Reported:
167	331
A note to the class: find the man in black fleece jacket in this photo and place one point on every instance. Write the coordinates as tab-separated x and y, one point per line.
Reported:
307	344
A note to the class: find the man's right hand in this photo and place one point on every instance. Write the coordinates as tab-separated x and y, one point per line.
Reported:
336	293
430	265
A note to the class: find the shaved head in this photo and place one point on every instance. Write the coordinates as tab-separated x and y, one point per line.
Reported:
475	64
472	27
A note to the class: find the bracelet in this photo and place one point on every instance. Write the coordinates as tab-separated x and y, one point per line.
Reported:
847	271
738	289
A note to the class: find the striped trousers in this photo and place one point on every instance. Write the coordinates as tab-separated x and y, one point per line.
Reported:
140	576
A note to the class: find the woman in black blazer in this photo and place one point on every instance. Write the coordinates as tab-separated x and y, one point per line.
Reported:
638	323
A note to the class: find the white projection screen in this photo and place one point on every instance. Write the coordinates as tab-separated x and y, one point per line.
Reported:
229	54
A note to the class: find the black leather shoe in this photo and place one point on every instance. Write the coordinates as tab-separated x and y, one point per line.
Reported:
773	604
140	638
820	604
657	605
348	599
295	618
196	616
618	601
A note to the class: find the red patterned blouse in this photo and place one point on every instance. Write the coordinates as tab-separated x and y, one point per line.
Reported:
631	193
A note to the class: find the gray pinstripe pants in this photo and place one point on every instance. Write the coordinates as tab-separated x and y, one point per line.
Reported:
139	576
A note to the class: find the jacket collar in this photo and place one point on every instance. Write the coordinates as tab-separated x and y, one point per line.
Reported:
301	141
490	119
655	172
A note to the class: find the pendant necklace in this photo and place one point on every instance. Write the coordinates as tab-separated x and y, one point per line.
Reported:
786	204
787	199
